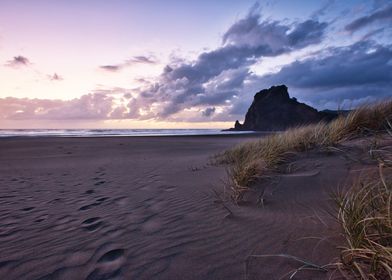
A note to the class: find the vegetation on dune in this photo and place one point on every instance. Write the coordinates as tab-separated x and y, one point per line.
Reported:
364	209
249	161
364	212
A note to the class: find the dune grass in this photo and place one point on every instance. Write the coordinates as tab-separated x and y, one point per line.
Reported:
364	209
364	212
248	162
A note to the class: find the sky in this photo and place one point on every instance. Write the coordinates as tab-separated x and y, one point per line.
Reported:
185	64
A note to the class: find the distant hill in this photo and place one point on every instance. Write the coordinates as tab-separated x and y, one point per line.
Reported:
273	110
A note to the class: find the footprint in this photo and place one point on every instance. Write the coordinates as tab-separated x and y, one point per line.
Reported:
54	200
99	183
27	209
86	207
90	220
89	191
93	227
111	256
102	199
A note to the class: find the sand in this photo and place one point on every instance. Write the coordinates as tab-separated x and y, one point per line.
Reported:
143	208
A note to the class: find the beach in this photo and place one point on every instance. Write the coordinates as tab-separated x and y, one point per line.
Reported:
144	208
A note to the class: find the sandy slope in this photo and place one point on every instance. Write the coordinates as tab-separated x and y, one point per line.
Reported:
142	208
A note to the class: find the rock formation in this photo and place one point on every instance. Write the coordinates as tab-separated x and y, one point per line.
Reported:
273	110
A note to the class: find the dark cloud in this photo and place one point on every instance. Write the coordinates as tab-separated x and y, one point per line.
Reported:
111	68
359	71
271	38
372	33
384	14
208	111
18	61
134	60
217	76
306	33
358	64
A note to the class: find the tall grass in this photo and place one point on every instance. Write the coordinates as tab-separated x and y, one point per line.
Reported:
365	215
249	161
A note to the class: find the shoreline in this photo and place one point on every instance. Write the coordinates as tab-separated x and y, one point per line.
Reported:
254	134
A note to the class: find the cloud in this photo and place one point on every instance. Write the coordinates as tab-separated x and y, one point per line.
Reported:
129	62
18	61
94	106
218	84
111	68
217	76
142	59
215	79
208	111
323	9
55	77
360	71
384	14
272	38
337	76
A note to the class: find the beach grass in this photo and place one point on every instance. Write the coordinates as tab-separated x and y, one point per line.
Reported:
364	208
365	216
249	161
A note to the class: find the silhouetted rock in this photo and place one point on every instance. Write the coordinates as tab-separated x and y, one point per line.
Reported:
272	110
237	125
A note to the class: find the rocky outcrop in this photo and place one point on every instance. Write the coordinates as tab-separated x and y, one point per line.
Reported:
273	110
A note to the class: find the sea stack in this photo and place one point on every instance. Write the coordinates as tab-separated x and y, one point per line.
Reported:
273	110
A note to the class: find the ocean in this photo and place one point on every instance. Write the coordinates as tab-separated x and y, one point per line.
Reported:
111	132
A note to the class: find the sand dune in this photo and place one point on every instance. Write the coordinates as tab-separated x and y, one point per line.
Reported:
142	208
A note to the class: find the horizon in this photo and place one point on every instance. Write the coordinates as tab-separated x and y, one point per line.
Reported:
175	65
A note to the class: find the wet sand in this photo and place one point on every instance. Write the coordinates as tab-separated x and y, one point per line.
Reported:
143	208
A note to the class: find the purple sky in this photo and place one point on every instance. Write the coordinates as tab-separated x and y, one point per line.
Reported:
135	64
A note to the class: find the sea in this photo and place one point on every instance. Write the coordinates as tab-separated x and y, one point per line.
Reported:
111	132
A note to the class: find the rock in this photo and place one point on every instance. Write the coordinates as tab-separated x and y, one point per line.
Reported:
273	110
237	125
